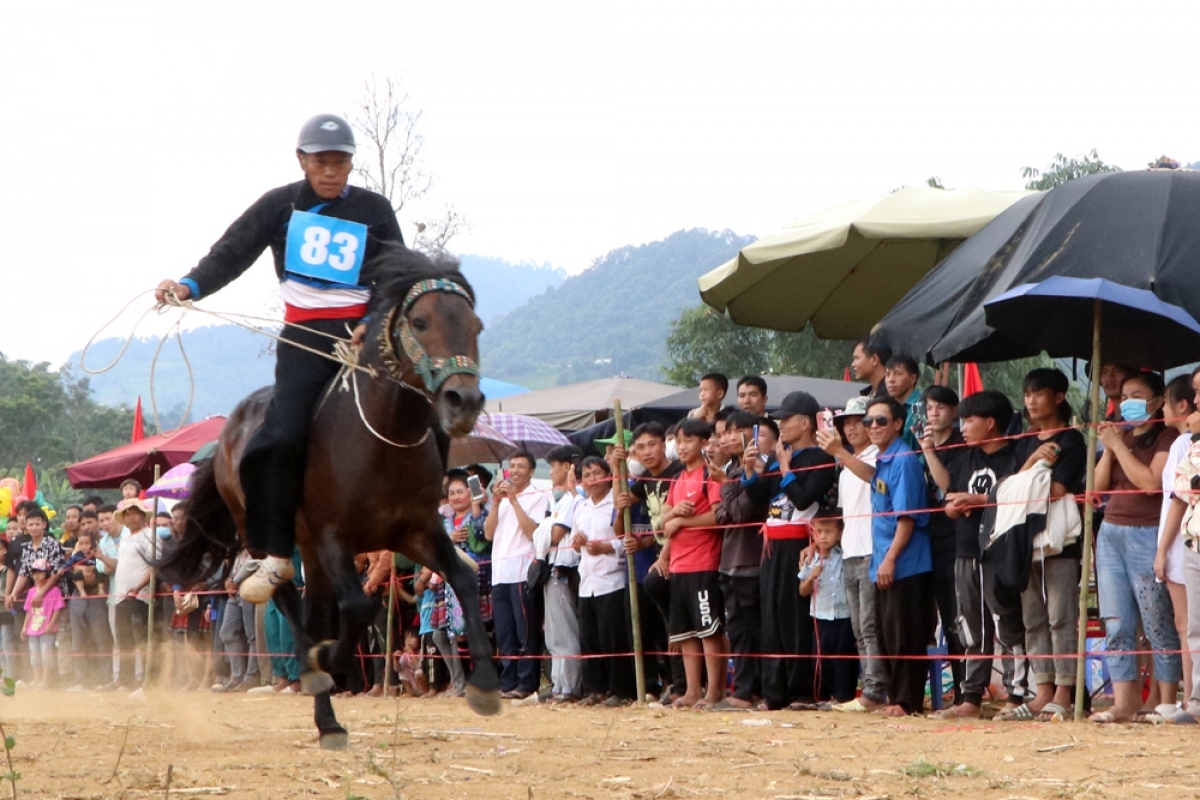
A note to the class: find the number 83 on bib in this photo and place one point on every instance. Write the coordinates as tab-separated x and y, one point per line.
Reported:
325	248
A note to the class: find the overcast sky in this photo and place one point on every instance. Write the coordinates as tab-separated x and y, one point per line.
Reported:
134	134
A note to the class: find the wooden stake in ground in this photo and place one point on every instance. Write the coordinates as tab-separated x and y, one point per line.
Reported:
635	612
151	588
1088	511
387	639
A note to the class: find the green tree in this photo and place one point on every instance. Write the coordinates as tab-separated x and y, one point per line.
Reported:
702	340
1063	169
50	420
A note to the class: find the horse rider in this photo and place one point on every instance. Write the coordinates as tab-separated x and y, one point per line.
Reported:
321	231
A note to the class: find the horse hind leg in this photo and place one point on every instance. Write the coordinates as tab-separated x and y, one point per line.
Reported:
483	687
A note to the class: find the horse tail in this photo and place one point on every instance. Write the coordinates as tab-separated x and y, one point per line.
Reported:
211	538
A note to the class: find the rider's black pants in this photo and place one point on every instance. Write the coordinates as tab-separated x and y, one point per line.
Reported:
272	469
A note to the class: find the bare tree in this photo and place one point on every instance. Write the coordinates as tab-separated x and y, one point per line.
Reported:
392	163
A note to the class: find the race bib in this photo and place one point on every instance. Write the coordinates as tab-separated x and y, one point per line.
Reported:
325	248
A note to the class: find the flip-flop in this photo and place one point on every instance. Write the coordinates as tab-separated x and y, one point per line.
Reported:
1022	713
892	711
1105	718
725	705
1052	712
1184	718
854	706
799	706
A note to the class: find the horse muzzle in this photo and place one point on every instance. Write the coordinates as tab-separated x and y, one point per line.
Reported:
458	406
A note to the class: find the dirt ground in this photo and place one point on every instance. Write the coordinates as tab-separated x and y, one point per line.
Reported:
100	746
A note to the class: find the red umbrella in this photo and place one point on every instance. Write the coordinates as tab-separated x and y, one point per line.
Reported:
139	427
137	459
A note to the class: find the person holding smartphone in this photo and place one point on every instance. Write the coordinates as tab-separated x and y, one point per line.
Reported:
509	527
465	527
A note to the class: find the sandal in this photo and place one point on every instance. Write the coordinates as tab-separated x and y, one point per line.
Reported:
892	711
1022	713
801	706
725	705
1052	712
1105	718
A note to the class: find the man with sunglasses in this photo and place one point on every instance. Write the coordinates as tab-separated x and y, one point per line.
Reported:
321	232
901	563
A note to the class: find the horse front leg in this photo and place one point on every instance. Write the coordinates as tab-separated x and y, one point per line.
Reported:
355	609
483	687
317	625
312	681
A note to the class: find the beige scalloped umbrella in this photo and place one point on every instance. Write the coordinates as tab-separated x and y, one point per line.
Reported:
844	268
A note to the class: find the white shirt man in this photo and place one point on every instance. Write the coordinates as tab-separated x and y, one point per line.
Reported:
510	527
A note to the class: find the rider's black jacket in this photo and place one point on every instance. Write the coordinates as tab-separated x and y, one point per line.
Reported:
264	225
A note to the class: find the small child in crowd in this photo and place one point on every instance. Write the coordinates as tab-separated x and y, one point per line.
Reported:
821	579
408	665
41	622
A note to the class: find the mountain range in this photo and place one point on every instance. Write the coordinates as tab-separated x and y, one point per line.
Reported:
524	306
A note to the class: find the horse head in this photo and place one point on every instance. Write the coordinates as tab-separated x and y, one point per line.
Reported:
428	339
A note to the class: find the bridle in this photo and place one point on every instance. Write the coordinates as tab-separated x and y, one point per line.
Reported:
432	371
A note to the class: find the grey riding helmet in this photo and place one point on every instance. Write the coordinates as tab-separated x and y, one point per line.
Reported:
326	132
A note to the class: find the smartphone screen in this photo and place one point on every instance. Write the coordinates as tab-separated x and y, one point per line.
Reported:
505	473
755	439
475	487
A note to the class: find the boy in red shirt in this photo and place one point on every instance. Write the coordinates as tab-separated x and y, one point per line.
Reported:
693	556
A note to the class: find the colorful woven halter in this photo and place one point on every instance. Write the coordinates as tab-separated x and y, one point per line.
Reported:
433	372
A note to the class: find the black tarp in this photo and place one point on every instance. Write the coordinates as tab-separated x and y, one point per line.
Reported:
1139	229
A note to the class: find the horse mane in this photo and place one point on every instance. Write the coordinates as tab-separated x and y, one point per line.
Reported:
395	269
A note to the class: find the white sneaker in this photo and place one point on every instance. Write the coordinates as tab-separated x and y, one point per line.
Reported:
137	694
272	573
267	689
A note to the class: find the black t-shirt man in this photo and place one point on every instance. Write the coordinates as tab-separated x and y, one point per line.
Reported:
1070	469
942	541
977	472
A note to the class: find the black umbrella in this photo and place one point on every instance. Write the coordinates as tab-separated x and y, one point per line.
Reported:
1058	315
1133	228
1099	320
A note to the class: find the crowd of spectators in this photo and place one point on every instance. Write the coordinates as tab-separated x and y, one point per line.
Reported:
798	559
806	559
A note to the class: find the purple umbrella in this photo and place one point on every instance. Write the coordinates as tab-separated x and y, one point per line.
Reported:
175	484
483	445
528	433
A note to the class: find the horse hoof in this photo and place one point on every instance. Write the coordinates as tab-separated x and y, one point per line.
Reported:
314	654
335	740
315	682
483	702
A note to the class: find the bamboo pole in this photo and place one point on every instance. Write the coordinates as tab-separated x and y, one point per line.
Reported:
1088	514
152	589
387	639
635	609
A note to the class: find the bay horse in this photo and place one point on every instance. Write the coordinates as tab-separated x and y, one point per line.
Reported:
376	455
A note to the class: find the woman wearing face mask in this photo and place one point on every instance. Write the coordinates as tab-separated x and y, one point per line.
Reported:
1135	453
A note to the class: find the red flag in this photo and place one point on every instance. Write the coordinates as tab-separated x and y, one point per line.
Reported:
30	487
972	382
846	374
139	427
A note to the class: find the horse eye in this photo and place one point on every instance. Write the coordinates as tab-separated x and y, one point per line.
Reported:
419	324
